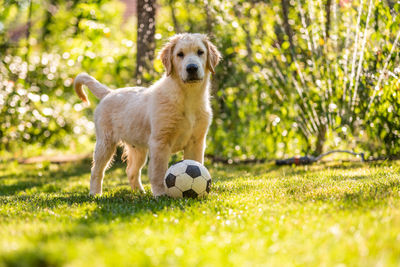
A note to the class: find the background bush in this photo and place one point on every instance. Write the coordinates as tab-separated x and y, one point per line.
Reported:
297	76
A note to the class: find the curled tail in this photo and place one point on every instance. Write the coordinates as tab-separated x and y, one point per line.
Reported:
98	89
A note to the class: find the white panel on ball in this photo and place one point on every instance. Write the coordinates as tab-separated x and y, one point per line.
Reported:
178	168
205	173
199	185
183	181
174	192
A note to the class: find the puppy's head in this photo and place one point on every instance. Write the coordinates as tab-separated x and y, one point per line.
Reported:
189	56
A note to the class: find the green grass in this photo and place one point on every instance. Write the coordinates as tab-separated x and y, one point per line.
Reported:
325	215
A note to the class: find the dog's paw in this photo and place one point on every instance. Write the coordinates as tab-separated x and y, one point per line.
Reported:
138	189
159	193
95	194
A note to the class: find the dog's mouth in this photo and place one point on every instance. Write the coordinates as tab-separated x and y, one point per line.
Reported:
193	80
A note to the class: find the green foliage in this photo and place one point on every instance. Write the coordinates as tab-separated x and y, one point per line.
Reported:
314	91
37	102
289	82
327	215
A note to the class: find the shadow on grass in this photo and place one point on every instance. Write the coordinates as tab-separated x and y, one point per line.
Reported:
32	257
62	171
119	203
41	175
123	204
37	177
9	190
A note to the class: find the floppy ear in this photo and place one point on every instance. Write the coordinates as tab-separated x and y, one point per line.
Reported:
213	55
166	55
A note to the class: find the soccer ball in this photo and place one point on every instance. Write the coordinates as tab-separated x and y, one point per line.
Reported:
187	178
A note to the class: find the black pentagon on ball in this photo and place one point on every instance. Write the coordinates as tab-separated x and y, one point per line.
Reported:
208	186
189	193
170	180
193	171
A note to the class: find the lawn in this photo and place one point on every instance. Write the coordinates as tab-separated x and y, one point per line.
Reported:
345	214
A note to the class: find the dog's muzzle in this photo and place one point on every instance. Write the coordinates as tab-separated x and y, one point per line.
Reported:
193	73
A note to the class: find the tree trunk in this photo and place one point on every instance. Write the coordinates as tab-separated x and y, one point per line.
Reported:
320	140
146	27
286	25
328	18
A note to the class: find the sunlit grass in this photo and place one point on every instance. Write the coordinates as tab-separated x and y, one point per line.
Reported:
256	215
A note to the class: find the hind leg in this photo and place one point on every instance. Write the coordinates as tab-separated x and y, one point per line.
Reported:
136	158
102	156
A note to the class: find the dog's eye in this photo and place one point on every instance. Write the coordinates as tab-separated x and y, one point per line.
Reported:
200	52
181	54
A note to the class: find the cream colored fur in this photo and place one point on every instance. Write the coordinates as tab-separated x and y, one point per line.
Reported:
172	115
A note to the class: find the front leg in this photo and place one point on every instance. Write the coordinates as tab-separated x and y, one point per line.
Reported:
196	146
158	165
195	149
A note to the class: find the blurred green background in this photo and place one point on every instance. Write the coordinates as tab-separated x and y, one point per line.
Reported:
297	77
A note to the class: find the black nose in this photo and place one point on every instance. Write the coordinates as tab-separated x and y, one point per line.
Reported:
192	68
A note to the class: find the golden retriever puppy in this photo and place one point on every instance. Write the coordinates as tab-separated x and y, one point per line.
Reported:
172	115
